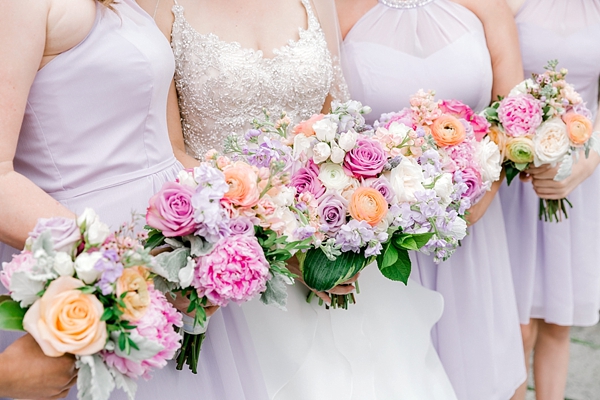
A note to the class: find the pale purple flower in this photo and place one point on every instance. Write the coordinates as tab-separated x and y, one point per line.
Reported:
65	232
241	226
304	232
332	211
251	134
110	268
354	235
383	186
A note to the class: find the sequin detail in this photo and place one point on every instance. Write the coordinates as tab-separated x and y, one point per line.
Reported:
405	3
222	86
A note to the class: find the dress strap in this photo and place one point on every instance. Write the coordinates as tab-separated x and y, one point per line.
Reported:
313	21
405	3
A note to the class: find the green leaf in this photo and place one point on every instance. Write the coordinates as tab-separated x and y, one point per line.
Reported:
122	341
107	314
511	172
11	315
412	241
399	270
322	274
521	166
389	257
155	239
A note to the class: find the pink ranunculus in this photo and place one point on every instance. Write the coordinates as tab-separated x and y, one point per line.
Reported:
171	210
157	325
307	180
520	115
21	262
236	270
65	232
366	160
480	126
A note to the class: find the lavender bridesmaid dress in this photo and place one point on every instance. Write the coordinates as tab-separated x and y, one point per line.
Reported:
95	135
555	265
396	48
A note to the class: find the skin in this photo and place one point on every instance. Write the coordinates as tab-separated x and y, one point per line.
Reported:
53	27
241	21
549	343
503	44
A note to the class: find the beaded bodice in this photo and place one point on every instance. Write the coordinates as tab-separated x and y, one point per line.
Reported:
222	86
405	3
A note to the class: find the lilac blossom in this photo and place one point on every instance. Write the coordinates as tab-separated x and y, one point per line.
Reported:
110	269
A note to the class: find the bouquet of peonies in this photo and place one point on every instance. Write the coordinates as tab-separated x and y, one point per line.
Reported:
78	289
543	121
224	222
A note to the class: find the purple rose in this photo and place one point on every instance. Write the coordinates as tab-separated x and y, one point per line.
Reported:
241	226
472	179
382	185
65	232
332	211
307	180
171	210
366	160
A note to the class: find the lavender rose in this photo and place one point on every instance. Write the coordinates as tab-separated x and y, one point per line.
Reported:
366	160
332	211
241	226
472	179
171	210
65	232
307	180
383	186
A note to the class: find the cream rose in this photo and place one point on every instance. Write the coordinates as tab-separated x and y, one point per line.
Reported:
84	266
325	130
65	320
489	159
321	152
337	153
302	146
347	140
522	87
406	179
63	265
443	188
334	177
551	142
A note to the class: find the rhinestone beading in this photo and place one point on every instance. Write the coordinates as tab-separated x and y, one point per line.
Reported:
405	3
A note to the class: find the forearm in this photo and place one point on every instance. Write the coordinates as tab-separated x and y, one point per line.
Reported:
597	124
185	159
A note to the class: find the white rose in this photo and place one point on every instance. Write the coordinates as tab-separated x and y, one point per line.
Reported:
88	216
444	187
551	142
334	177
63	265
301	146
186	274
337	154
325	130
97	232
458	229
521	88
321	152
398	129
406	179
84	266
489	159
186	178
347	140
285	197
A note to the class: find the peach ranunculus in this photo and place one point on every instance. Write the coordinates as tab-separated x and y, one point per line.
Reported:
65	320
579	128
497	136
447	130
306	127
134	282
243	185
367	204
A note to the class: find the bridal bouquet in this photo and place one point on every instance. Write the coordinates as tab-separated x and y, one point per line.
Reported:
543	121
78	289
224	225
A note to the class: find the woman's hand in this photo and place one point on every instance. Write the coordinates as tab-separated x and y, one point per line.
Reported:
182	303
341	289
25	372
478	209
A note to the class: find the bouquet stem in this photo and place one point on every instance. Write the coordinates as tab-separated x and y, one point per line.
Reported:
337	300
190	351
553	210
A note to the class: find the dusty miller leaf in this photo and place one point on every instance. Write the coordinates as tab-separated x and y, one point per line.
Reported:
168	264
565	168
94	380
126	383
276	293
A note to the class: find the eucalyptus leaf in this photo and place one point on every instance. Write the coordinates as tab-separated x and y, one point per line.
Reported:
43	242
276	293
24	289
199	246
594	142
11	316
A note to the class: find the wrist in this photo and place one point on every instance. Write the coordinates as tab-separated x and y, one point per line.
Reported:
4	375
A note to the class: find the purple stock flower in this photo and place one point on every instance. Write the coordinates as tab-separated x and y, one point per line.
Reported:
110	268
252	133
354	235
365	160
304	232
332	211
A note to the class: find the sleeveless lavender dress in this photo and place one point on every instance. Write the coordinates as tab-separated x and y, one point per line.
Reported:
556	269
395	49
94	135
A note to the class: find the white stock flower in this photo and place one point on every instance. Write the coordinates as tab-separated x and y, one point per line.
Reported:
406	179
444	187
334	177
347	140
301	146
521	88
398	129
285	197
63	265
337	153
325	130
186	178
551	142
489	159
84	266
458	229
321	152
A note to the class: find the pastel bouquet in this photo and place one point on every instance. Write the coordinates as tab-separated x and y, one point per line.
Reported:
78	289
223	225
543	121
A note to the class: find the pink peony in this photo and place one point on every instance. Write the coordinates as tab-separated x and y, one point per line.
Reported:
236	270
366	160
520	115
171	210
157	325
403	117
23	261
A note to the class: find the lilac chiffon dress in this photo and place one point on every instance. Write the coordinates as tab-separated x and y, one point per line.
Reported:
94	135
556	267
395	49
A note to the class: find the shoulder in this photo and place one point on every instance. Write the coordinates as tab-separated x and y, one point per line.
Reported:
485	10
350	11
161	11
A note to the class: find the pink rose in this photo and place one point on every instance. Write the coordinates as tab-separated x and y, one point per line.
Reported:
21	262
171	211
520	115
480	125
65	232
366	160
236	270
307	180
457	108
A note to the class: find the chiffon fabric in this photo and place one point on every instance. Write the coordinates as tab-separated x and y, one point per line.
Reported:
555	265
389	54
95	135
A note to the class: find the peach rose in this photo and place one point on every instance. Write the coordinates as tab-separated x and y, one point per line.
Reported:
497	136
367	204
134	283
447	130
579	128
305	127
65	320
243	184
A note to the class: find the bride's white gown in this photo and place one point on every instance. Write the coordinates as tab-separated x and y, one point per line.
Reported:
378	349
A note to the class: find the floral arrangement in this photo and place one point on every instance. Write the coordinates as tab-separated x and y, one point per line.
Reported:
225	223
78	289
542	121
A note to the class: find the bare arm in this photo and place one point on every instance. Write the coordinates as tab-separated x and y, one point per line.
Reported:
21	202
350	11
